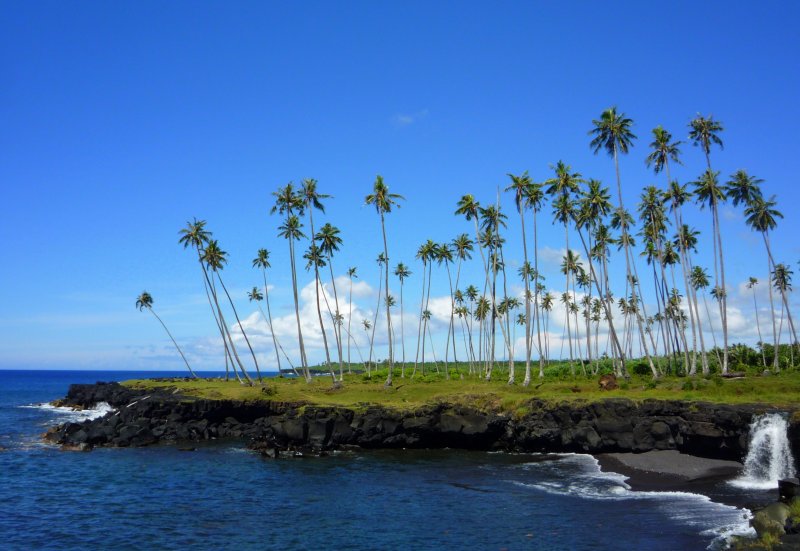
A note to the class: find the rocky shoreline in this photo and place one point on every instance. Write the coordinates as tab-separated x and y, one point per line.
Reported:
145	418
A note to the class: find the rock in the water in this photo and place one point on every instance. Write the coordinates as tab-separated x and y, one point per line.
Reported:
771	519
788	489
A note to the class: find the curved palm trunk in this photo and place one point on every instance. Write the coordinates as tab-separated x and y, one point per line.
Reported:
451	327
173	342
227	332
239	323
337	328
227	352
303	359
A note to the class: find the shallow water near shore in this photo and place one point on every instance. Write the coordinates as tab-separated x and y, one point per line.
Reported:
222	496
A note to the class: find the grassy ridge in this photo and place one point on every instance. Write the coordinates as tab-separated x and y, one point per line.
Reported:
359	390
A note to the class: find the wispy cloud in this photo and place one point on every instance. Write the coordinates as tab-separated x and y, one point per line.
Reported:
407	119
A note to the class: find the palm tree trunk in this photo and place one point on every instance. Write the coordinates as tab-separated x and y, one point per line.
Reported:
238	321
419	325
758	326
402	334
528	340
269	321
303	359
388	311
173	342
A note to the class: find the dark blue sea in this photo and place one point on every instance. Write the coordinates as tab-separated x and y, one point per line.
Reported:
222	496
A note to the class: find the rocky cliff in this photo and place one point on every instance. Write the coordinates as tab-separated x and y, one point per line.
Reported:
613	425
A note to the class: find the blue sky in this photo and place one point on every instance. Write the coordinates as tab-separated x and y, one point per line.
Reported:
123	121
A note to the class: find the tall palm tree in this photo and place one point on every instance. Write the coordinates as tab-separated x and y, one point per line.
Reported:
381	260
699	280
704	132
751	284
708	191
402	272
534	200
262	261
612	133
288	202
384	201
145	300
351	274
426	253
312	199
444	255
520	186
215	258
462	246
329	242
316	259
762	216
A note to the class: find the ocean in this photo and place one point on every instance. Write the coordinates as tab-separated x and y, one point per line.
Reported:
222	496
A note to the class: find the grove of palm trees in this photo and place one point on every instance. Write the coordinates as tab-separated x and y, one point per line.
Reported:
667	315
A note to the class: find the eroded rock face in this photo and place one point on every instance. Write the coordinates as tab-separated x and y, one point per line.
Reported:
614	425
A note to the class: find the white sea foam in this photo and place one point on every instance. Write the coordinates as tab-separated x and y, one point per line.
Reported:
580	475
75	415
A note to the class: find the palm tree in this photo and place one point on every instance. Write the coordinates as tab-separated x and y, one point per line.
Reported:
612	133
311	200
699	280
146	301
426	253
402	272
704	132
287	202
761	215
384	201
262	261
520	185
462	246
709	192
663	150
215	258
351	273
782	280
329	242
534	200
444	255
196	236
314	258
751	284
381	260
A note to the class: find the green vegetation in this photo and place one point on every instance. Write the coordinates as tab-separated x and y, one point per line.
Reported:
361	389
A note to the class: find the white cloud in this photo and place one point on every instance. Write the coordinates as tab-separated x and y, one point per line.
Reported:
407	119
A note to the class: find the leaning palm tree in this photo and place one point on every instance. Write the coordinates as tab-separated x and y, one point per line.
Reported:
534	200
708	191
761	215
262	261
311	200
314	258
612	133
402	272
288	202
384	201
146	301
215	258
196	236
329	242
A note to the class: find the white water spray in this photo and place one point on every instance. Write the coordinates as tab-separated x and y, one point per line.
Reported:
769	457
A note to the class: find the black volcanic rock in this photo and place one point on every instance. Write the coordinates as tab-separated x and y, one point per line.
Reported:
278	429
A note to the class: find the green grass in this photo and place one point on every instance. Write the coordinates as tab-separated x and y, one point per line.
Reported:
359	390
